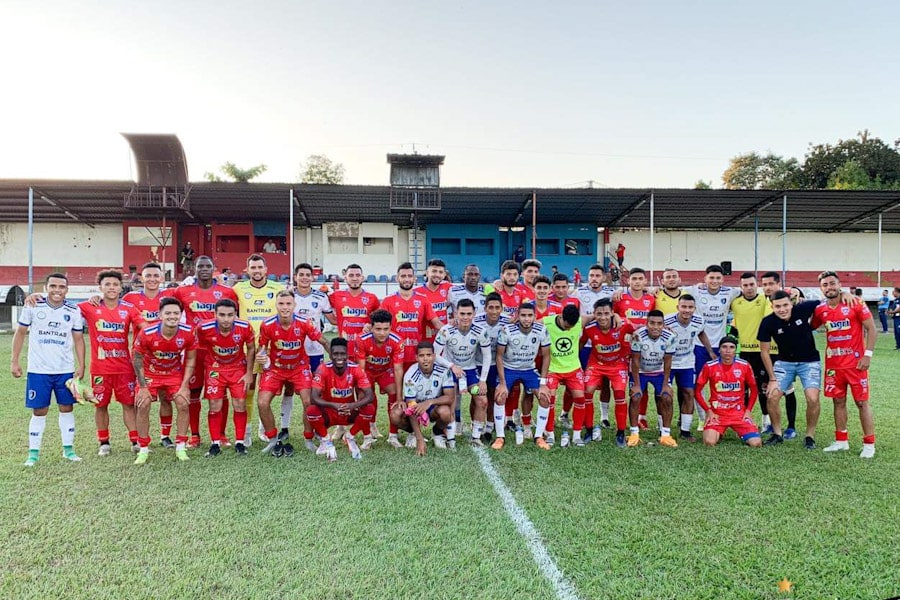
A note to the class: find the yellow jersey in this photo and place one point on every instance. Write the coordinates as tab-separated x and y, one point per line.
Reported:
255	305
666	303
748	314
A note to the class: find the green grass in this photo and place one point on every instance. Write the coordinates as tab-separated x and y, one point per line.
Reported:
646	523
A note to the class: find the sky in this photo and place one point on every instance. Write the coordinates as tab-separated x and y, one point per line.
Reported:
522	94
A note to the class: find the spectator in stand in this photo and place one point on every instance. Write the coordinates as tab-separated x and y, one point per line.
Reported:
519	254
269	247
576	278
620	254
187	259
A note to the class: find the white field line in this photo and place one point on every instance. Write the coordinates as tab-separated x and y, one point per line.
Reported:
563	587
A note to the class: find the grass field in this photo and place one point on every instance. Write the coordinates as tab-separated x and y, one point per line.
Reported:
650	522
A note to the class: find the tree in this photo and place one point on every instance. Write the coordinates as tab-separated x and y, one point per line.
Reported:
703	185
880	161
318	168
753	171
234	173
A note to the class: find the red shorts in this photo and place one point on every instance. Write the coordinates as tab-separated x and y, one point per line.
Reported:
333	417
742	427
168	385
383	380
218	382
573	380
273	379
838	380
617	376
197	379
120	384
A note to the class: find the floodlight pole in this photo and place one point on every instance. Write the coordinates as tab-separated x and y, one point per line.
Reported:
30	240
290	239
784	241
652	216
756	244
880	215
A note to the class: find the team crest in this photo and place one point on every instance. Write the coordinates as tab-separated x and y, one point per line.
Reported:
236	337
417	304
67	318
646	303
296	331
737	372
724	301
315	305
179	342
845	311
123	313
270	295
217	295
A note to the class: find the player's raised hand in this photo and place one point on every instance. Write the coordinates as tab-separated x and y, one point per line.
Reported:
32	299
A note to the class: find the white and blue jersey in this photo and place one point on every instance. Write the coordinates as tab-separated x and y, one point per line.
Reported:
685	339
521	347
313	306
417	386
493	331
713	308
460	291
652	351
452	346
50	338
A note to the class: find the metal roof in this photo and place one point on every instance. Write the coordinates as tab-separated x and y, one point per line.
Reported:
817	210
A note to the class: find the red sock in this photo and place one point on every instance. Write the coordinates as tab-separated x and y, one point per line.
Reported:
272	433
103	435
589	413
841	436
551	418
165	425
214	422
240	425
223	422
567	402
526	420
869	439
133	436
512	401
621	408
181	439
577	416
642	407
308	435
194	417
144	442
392	429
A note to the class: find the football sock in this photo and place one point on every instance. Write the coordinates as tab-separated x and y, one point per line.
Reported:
214	422
543	415
36	432
240	425
165	425
102	435
194	417
499	418
67	428
841	436
287	408
604	411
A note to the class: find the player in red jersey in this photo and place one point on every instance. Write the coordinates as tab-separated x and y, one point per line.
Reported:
608	364
380	353
850	342
111	369
282	354
341	395
511	291
634	305
560	287
230	369
199	301
531	268
435	290
544	305
353	307
411	313
164	356
730	380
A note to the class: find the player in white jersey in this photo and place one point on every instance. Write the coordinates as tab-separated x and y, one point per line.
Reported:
493	320
713	302
518	346
314	305
688	328
429	393
55	328
471	288
456	347
652	350
587	295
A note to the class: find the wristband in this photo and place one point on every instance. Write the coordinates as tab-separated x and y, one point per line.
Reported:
867	353
543	381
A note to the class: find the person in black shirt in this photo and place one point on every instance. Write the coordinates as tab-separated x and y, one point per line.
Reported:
789	325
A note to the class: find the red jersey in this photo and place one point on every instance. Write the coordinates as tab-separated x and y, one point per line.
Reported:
341	388
410	317
286	346
635	309
439	304
376	359
108	329
553	308
608	348
146	306
844	333
727	386
164	357
511	300
199	304
352	313
225	352
567	301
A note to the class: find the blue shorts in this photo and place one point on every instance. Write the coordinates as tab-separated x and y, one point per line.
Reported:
583	355
684	378
493	379
652	378
810	374
471	377
39	387
529	378
701	357
314	362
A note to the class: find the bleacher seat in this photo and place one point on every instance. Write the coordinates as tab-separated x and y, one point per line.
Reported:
370	279
284	277
382	279
394	278
273	278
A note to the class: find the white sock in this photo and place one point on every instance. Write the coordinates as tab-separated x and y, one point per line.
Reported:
36	432
576	434
766	421
542	416
145	450
686	422
499	420
477	428
67	428
180	446
287	407
665	431
604	411
701	413
489	426
634	430
451	430
659	422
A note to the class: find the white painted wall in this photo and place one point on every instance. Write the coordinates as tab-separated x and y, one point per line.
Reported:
338	255
62	244
806	251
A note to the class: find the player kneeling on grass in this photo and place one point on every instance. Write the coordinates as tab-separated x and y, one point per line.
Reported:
341	395
56	328
518	346
429	393
652	349
164	358
230	369
728	378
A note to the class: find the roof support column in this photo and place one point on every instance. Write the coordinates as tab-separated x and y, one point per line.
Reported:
784	241
290	239
756	244
880	215
652	216
30	240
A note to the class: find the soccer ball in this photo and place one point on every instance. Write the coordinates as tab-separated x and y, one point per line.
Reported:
83	393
